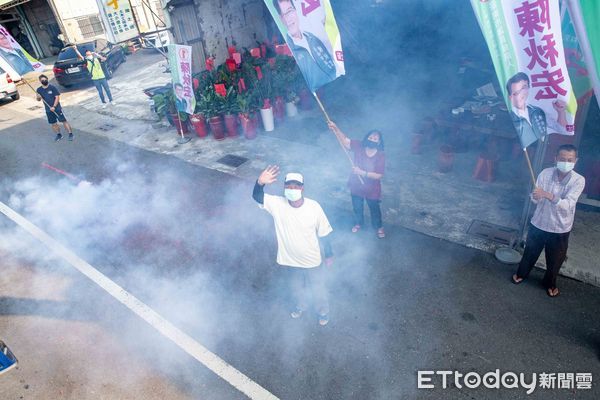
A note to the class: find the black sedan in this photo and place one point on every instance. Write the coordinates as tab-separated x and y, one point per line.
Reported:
69	70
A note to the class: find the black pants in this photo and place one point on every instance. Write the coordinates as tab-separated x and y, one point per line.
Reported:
555	246
358	206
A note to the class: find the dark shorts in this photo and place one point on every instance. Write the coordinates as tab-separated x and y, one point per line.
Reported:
53	118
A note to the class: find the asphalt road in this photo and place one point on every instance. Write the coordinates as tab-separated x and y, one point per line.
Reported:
190	243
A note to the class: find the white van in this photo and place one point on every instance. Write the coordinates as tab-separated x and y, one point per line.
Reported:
7	86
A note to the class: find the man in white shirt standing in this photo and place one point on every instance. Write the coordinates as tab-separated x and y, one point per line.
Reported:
556	193
300	224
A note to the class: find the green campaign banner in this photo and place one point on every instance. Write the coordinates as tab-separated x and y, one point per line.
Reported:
525	41
591	15
180	63
580	79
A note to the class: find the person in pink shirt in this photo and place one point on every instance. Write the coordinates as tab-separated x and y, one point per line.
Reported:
365	180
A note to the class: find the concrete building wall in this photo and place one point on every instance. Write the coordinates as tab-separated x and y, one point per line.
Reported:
80	19
43	24
226	21
218	24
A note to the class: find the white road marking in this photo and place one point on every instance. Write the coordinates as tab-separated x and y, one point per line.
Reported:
213	362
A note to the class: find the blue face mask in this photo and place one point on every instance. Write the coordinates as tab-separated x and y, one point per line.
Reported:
292	194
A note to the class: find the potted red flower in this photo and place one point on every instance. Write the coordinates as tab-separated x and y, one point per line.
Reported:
247	114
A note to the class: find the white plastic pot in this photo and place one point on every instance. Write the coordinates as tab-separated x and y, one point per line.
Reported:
266	114
290	109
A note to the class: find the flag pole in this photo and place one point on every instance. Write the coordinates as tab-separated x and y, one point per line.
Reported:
529	165
338	139
183	139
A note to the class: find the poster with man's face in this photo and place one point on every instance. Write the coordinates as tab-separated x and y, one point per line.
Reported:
11	51
311	33
180	63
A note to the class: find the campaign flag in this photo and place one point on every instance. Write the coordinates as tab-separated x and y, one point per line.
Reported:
18	59
585	15
180	63
525	41
312	35
578	71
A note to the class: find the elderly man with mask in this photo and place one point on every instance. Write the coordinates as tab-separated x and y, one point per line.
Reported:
299	224
556	193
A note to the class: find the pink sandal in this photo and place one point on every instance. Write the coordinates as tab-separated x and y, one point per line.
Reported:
380	233
355	228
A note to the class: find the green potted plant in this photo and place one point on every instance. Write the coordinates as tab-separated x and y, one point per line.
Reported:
213	107
231	110
198	119
247	113
264	93
178	119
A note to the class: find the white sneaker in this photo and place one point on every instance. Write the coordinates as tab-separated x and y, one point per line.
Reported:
103	105
296	313
112	103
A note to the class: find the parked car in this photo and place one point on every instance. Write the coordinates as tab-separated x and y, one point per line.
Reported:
158	40
69	70
7	86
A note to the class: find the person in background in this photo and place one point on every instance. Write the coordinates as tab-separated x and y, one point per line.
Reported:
94	66
369	165
51	97
557	190
299	225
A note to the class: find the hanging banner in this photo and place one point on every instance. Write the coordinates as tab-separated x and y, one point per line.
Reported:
525	41
180	63
119	20
312	35
17	58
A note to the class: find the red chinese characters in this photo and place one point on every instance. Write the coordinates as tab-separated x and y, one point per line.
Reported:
186	79
533	18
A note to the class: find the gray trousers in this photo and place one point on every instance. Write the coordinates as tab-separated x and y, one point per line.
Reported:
306	280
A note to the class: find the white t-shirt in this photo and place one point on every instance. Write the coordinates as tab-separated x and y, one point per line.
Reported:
298	231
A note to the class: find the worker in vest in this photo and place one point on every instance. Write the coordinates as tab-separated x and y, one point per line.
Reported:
94	66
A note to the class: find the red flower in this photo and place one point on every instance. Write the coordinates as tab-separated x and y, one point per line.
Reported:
255	52
196	83
231	50
231	65
241	85
220	89
210	63
258	72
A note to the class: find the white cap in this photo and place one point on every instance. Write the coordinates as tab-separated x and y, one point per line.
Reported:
294	176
